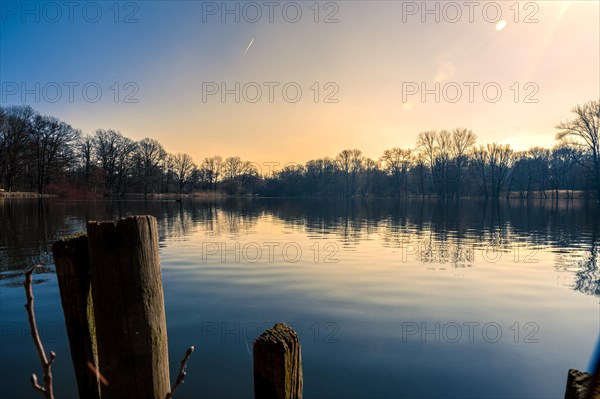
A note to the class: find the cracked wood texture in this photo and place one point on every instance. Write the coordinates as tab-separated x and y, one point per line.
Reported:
277	364
129	308
73	274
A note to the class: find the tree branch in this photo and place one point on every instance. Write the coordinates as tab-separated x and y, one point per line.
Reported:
182	373
47	389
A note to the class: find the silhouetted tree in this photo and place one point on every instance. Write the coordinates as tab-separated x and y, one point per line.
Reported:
183	166
148	160
16	125
53	147
115	156
584	132
36	151
491	166
349	163
85	154
396	163
463	141
212	168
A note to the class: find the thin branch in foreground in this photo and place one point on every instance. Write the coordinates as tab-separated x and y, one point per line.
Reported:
182	373
47	389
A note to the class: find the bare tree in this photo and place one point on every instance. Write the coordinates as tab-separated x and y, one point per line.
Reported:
233	168
85	153
501	158
183	165
320	175
344	163
538	168
584	132
370	167
519	178
479	165
349	163
115	155
420	169
396	163
357	163
16	125
426	143
213	168
36	150
125	163
463	141
53	142
491	166
436	148
149	156
168	171
562	159
249	175
444	150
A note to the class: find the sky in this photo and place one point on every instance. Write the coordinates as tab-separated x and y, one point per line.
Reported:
291	81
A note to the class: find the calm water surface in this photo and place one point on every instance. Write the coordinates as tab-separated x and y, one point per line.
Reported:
391	299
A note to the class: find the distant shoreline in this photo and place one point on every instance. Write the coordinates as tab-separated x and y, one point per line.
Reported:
24	194
533	195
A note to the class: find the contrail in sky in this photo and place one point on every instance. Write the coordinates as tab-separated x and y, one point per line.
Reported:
248	48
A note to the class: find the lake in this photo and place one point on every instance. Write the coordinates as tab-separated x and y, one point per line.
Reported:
390	298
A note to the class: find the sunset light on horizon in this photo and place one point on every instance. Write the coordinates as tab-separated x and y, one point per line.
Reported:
272	85
350	199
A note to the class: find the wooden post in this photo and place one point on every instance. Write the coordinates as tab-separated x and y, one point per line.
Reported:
579	385
73	273
129	309
277	364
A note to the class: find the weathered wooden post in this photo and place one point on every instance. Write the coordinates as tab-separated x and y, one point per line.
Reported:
277	364
73	273
129	310
581	385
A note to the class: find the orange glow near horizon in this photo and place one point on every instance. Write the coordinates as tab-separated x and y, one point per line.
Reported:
364	61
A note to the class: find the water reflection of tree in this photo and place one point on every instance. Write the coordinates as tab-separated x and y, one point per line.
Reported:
582	265
448	231
587	279
29	227
24	233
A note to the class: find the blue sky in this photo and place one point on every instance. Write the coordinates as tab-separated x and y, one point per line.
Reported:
169	51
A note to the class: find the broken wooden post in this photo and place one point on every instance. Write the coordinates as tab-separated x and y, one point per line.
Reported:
129	309
277	364
73	273
579	384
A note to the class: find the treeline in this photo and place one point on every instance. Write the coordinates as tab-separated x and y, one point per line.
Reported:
45	154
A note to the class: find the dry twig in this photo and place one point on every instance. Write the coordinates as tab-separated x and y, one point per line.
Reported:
47	389
182	373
